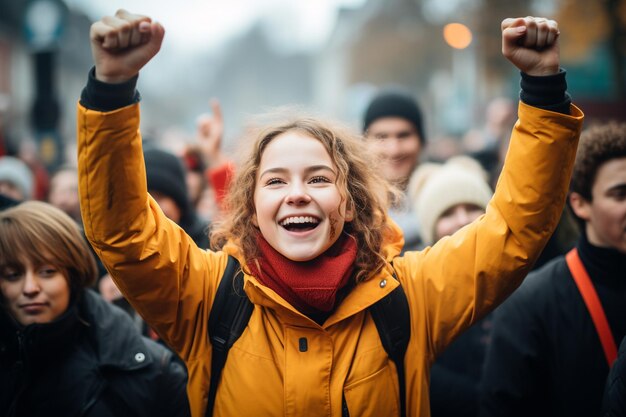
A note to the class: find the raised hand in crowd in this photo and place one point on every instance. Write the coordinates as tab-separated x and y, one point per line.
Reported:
123	44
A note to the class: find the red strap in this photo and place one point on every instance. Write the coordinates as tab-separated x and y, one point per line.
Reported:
588	292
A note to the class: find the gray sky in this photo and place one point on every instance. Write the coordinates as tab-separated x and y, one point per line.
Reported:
206	24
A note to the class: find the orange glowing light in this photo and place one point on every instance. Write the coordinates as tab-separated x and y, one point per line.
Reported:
457	35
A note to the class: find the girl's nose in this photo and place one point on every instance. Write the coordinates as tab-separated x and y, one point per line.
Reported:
297	195
31	283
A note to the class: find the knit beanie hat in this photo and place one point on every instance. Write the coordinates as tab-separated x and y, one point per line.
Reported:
394	103
449	186
165	174
16	172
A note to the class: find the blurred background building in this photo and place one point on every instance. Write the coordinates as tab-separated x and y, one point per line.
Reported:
271	61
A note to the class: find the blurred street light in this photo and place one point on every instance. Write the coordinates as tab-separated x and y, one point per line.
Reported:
457	35
43	26
459	110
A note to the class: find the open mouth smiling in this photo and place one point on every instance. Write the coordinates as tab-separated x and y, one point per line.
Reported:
299	223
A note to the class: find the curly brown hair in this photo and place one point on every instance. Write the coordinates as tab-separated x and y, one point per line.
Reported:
366	192
598	144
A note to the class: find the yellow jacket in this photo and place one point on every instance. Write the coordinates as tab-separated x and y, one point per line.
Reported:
172	283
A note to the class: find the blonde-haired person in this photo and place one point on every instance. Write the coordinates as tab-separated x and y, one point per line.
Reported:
451	196
307	222
64	351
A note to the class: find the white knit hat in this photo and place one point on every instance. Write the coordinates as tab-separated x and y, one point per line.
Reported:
16	172
456	182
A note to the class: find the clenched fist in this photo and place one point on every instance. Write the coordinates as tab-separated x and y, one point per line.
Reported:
531	44
122	44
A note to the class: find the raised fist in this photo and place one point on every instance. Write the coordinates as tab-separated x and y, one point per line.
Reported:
122	44
531	44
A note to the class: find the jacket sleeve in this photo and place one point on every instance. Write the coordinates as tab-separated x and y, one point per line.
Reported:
158	268
463	277
516	378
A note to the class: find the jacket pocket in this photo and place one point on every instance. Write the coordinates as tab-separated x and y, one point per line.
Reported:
374	395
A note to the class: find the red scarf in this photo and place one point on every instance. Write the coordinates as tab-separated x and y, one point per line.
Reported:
312	286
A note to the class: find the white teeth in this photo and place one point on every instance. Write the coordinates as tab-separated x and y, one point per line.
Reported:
299	219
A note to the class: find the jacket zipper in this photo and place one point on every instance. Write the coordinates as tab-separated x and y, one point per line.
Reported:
344	407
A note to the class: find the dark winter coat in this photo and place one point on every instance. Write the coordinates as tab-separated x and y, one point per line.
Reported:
90	362
456	374
614	404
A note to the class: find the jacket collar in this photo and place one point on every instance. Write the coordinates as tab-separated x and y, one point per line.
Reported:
40	342
606	265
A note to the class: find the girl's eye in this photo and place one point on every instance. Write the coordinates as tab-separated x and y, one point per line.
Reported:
274	181
618	193
320	179
10	274
47	271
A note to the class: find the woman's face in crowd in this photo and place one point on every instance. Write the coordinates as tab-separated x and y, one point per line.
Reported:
299	208
455	218
34	293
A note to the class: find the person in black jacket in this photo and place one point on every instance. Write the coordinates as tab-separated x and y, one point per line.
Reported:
393	129
546	357
64	351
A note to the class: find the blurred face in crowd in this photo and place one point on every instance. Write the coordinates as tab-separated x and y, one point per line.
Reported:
9	189
299	209
195	185
396	142
207	207
168	205
605	214
108	290
34	293
455	218
64	193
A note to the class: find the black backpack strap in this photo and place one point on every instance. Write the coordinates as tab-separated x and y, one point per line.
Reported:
393	321
228	319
